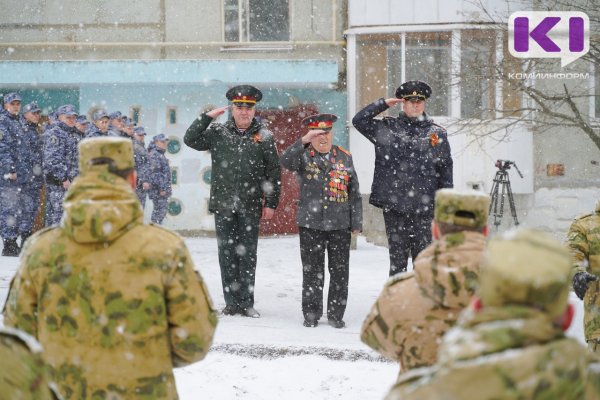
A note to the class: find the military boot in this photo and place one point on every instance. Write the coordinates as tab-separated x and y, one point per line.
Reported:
11	249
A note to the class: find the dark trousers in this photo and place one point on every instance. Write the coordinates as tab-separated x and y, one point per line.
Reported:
408	235
313	244
159	208
54	198
141	194
237	238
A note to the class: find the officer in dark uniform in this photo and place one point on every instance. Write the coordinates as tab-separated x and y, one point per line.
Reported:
10	138
412	161
330	208
30	177
159	177
245	182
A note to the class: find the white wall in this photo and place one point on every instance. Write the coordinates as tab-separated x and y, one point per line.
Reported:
400	12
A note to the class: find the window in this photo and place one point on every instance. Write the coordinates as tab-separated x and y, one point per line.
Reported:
427	58
383	64
173	145
597	91
256	20
477	74
135	113
171	115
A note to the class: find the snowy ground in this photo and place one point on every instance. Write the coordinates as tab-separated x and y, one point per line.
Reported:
275	357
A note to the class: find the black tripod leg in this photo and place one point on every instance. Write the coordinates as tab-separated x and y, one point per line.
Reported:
511	202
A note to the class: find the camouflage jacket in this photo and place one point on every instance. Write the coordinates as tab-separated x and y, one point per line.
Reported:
245	167
583	241
116	304
23	374
505	353
416	308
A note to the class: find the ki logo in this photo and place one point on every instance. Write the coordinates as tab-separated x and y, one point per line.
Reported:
543	34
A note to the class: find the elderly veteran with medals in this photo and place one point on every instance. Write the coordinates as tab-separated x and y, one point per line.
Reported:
330	209
412	161
245	185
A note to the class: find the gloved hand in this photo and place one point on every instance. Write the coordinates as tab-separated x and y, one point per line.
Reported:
581	281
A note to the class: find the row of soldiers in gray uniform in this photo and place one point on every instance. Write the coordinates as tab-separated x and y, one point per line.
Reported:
32	157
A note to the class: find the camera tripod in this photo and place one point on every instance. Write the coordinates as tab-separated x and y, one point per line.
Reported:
502	184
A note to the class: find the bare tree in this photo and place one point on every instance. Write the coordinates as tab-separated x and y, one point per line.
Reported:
527	100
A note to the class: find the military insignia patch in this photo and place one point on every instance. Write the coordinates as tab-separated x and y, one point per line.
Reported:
53	139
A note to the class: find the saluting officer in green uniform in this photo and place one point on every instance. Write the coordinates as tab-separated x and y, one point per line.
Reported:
330	208
245	185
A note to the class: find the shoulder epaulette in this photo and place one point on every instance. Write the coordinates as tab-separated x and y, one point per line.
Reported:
343	150
399	277
439	126
583	216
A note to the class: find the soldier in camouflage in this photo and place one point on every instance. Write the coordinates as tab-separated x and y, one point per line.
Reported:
30	175
142	164
59	160
159	177
416	308
10	138
24	374
510	342
116	304
583	241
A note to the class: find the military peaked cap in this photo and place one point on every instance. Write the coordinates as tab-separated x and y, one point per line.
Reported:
31	107
114	153
67	109
320	121
99	114
466	208
10	97
413	90
244	95
528	268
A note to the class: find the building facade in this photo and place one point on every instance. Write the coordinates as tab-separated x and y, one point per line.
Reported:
163	62
461	49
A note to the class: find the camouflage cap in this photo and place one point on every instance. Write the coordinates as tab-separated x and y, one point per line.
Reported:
114	152
526	267
463	208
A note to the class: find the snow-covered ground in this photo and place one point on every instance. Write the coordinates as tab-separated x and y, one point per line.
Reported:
275	357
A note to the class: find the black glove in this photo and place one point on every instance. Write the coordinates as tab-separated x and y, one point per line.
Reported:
581	281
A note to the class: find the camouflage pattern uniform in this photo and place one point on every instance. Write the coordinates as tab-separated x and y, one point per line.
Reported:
24	374
30	176
416	308
10	137
513	346
583	241
115	303
158	174
59	165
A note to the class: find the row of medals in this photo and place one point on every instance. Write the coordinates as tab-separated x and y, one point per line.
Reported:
337	188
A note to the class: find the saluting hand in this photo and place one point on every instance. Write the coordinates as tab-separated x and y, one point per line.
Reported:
214	113
312	134
393	101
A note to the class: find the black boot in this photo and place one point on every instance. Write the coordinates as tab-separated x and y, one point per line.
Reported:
11	249
24	237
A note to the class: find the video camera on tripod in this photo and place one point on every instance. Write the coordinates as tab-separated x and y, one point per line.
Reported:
502	180
504	165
